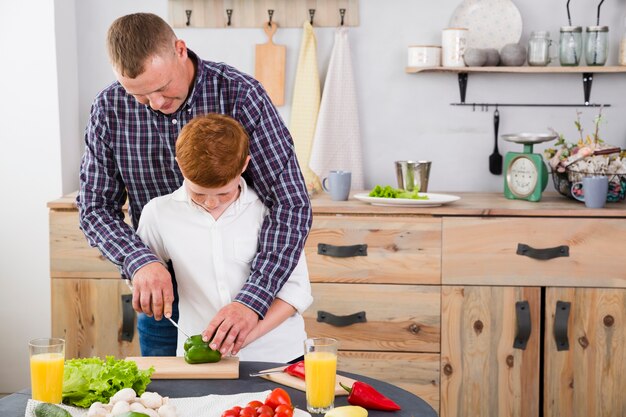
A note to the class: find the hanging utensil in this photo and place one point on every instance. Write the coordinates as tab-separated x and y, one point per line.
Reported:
495	159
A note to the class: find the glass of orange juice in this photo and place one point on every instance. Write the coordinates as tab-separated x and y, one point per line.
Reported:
320	370
47	358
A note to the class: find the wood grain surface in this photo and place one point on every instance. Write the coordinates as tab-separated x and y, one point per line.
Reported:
269	66
299	384
175	367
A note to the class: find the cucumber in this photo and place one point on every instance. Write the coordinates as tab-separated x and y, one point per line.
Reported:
50	410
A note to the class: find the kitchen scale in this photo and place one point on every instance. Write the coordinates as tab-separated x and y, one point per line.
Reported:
525	173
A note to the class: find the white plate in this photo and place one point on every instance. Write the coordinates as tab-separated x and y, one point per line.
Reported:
433	200
300	413
491	23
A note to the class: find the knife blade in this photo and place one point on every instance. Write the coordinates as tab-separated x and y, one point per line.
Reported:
128	283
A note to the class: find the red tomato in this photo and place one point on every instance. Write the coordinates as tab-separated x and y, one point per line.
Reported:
230	413
282	414
247	412
265	410
237	409
285	409
254	404
277	397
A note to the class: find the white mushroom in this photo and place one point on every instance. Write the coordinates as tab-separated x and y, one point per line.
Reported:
151	400
97	409
120	407
138	407
125	394
167	410
150	412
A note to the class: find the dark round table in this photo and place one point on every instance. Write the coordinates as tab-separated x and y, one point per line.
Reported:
412	405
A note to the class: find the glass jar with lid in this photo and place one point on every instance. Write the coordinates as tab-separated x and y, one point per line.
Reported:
597	45
570	45
539	48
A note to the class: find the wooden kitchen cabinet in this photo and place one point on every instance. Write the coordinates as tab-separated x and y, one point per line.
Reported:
427	299
90	304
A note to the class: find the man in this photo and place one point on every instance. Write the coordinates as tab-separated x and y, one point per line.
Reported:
130	150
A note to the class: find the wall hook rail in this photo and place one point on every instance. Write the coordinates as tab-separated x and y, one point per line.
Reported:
342	13
229	15
312	15
188	13
270	14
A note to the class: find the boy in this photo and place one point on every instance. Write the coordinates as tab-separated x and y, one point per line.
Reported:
209	229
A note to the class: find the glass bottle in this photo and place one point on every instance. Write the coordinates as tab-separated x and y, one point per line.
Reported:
570	45
539	48
597	45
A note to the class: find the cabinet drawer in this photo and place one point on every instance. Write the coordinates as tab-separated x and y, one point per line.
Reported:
483	251
399	250
415	372
88	314
398	317
70	254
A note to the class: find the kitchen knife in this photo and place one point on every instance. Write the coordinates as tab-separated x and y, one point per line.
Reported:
171	321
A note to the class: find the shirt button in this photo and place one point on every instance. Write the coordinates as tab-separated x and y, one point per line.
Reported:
174	121
188	110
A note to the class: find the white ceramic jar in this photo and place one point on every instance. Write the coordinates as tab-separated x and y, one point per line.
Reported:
453	44
424	56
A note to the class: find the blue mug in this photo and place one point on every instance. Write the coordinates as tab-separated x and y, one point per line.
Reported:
592	190
337	183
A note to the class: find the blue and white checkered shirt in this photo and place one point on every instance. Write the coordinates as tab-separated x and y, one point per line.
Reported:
129	152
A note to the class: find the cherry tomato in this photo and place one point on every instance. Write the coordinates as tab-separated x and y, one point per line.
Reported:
277	397
254	404
282	414
265	410
237	409
247	412
230	413
284	409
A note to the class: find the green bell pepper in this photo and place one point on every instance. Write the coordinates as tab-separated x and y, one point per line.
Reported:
198	351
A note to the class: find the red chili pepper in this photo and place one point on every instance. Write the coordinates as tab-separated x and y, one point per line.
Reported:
366	396
296	369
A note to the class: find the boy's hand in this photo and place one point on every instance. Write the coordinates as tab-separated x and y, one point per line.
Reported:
233	323
153	292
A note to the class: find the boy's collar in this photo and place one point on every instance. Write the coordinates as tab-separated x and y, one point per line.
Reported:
245	196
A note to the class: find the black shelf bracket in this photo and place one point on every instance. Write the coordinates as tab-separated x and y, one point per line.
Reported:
587	81
463	85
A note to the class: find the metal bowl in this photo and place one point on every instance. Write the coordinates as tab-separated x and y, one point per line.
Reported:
529	138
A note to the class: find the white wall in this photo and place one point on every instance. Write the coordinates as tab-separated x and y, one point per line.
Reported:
30	175
402	116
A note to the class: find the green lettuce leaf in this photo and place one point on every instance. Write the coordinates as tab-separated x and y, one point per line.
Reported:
390	192
88	380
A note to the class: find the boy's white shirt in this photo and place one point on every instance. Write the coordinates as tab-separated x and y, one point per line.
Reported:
212	260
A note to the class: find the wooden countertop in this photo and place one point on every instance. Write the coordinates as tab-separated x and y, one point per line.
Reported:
470	204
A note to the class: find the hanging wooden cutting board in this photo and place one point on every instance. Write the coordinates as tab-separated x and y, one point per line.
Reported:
269	66
175	367
297	383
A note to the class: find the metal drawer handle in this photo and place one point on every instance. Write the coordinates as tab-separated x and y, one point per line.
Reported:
128	318
561	316
341	251
543	254
341	321
524	327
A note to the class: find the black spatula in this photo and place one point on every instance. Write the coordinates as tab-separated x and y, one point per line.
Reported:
495	159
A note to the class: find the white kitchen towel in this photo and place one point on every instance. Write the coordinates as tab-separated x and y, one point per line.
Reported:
306	104
207	406
337	142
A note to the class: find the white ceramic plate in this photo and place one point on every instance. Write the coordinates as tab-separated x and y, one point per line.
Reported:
300	413
491	23
433	200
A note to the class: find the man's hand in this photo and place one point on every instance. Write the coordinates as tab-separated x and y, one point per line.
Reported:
153	292
233	323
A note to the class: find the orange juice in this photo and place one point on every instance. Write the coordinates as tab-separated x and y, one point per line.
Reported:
320	369
46	376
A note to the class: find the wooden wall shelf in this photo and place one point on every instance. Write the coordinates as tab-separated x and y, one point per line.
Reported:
463	73
254	13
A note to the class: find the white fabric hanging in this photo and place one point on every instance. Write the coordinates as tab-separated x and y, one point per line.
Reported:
337	142
306	104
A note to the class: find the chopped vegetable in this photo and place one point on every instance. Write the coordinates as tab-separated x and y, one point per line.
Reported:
390	192
296	369
88	380
198	351
50	410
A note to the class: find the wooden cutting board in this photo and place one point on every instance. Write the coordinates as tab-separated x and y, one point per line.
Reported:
269	66
297	383
175	367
